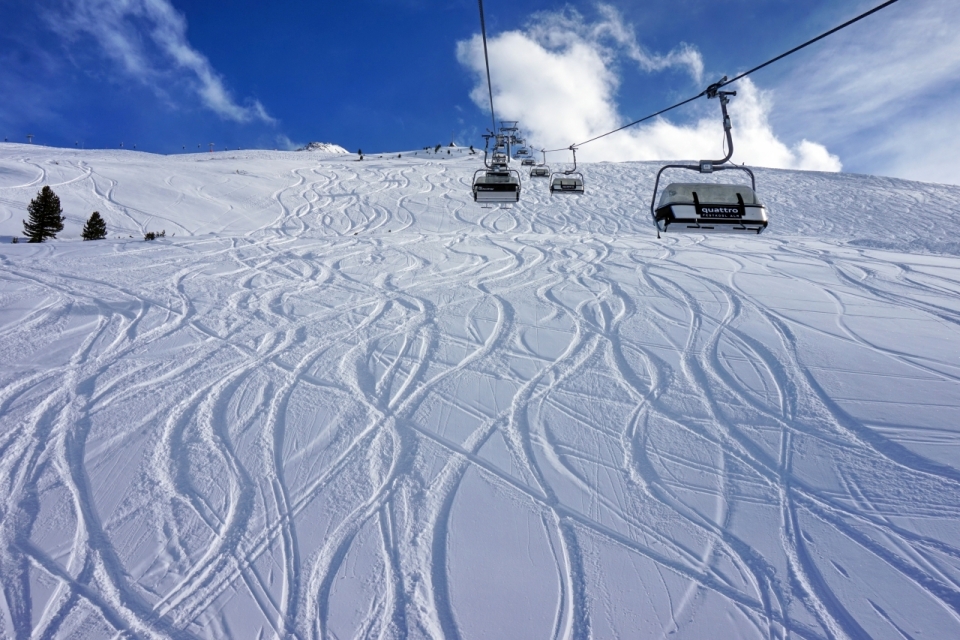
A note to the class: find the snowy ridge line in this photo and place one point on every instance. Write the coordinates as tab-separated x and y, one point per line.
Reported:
324	147
346	401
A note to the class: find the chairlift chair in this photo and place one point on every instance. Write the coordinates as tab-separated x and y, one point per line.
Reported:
496	182
496	185
528	162
541	170
710	207
569	182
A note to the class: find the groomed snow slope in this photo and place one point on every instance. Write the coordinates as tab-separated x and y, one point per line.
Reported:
341	400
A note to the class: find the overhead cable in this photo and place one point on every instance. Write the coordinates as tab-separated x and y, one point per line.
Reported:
714	87
486	58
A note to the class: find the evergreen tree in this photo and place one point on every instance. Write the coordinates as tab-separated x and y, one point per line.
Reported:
45	216
96	228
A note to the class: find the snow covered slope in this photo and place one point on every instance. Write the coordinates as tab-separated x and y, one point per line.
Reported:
341	400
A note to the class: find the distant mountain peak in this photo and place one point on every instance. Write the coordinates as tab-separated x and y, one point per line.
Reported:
324	147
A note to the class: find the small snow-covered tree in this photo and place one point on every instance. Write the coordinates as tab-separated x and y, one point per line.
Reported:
45	216
95	228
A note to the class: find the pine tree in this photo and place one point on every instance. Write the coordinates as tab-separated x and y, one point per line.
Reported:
96	228
45	216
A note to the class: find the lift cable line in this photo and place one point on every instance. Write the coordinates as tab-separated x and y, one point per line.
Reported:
712	89
486	59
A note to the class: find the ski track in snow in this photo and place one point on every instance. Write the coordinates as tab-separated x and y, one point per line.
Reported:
343	400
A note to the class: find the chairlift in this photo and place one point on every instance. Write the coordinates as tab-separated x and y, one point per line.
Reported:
541	170
494	185
570	181
496	182
528	162
710	207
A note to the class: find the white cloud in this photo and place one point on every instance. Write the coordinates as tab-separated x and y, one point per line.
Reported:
885	92
754	140
922	149
558	96
872	72
609	36
286	144
149	39
557	78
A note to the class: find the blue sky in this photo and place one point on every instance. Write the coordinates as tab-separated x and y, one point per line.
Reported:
167	75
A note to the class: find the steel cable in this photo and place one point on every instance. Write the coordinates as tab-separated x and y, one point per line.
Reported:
486	59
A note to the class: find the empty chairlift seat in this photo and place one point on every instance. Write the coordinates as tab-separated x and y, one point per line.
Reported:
541	171
498	185
705	208
566	183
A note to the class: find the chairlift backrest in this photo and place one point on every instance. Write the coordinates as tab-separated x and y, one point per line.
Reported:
566	183
683	193
498	176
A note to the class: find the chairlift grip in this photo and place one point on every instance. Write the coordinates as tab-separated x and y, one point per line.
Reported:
712	90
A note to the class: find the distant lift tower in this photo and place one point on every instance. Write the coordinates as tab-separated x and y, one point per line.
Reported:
30	138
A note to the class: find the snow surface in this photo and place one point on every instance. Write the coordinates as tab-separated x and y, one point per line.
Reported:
339	399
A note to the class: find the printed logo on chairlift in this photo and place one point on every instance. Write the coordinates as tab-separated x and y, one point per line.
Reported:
720	212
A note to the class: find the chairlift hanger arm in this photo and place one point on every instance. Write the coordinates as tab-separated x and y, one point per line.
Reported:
486	148
574	170
714	92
